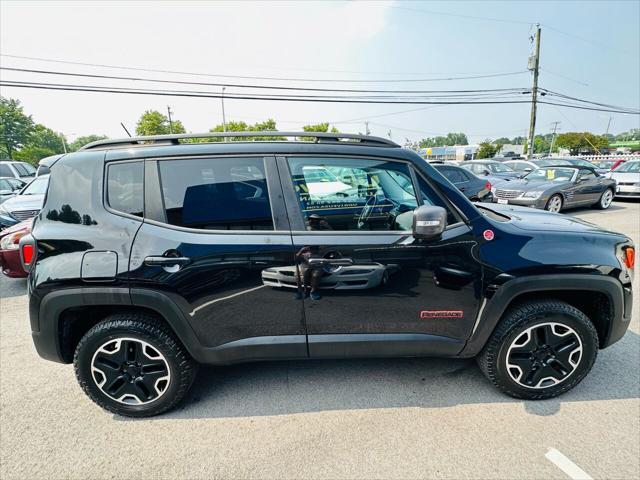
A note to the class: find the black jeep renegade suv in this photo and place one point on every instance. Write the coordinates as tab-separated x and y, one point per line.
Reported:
154	254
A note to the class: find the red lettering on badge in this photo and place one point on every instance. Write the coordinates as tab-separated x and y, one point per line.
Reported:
441	314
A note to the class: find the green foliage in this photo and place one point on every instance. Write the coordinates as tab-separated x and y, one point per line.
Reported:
15	127
153	122
633	134
82	141
448	141
320	127
42	142
240	126
487	149
577	142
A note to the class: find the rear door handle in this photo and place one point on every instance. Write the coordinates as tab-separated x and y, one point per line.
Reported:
166	261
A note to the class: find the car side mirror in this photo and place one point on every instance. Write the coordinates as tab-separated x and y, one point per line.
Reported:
528	169
428	222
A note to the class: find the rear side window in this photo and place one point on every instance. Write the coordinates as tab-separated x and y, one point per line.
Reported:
5	171
125	187
453	175
216	193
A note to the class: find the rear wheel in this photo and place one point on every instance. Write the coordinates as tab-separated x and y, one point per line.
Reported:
605	200
554	204
540	350
133	366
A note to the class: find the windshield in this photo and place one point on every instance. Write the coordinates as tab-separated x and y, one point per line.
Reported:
629	167
551	175
37	187
498	167
550	162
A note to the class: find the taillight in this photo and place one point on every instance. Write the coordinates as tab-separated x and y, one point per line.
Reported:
27	251
630	257
488	185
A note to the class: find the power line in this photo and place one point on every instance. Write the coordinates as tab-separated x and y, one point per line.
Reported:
254	86
251	77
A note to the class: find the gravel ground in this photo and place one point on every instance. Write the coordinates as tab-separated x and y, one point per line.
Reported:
406	418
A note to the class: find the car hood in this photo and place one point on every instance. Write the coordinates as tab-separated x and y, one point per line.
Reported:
534	220
624	176
527	185
24	202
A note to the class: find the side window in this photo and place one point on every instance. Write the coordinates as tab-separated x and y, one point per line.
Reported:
125	187
5	170
353	194
586	175
4	185
430	197
216	193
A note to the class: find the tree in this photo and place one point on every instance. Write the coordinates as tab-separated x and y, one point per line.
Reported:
153	122
577	142
502	141
268	125
320	127
82	141
486	149
448	141
42	142
15	127
631	135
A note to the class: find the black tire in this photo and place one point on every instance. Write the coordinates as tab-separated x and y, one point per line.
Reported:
537	315
604	201
146	337
552	202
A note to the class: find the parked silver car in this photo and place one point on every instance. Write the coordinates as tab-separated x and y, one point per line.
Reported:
627	177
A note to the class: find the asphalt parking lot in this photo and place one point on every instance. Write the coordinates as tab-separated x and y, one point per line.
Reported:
404	418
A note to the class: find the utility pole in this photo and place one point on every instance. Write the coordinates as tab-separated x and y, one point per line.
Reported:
170	122
608	125
534	65
224	120
366	128
553	137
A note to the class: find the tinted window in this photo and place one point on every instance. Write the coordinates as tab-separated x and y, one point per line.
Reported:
5	171
216	193
586	175
4	185
354	194
125	187
24	169
453	175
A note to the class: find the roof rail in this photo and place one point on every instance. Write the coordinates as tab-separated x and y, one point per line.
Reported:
163	140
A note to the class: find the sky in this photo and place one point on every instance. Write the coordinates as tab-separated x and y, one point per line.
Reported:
589	50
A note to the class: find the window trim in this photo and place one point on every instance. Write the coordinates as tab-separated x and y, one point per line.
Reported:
154	191
105	190
287	179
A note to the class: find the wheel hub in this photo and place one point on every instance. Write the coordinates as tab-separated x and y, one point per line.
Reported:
130	371
544	355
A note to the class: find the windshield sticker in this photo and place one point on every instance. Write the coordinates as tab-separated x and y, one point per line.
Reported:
551	174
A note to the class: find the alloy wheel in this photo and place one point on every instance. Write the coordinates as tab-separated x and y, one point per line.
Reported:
544	355
607	198
555	204
130	371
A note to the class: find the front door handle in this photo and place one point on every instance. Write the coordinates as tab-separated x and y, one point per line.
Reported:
166	261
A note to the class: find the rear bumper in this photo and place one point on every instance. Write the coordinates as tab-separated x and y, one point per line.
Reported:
10	264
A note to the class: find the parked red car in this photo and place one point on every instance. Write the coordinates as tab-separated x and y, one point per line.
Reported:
9	252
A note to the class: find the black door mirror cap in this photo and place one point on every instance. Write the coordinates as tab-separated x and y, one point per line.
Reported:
429	222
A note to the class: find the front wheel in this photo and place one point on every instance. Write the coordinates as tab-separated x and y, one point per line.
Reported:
554	204
540	350
131	365
605	200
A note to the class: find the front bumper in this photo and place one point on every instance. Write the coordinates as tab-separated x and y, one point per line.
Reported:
628	191
539	202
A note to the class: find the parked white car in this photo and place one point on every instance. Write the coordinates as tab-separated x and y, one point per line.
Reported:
628	177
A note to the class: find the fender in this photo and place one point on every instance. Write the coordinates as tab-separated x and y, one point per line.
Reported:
494	307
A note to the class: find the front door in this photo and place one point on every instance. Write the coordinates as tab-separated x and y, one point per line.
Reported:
589	186
212	225
368	287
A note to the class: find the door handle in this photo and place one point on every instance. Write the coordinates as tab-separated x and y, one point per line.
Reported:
166	261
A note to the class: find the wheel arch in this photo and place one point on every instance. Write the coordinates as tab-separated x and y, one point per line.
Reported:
600	298
66	315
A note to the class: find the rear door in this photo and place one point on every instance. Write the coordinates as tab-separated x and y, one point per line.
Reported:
456	177
368	287
212	225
